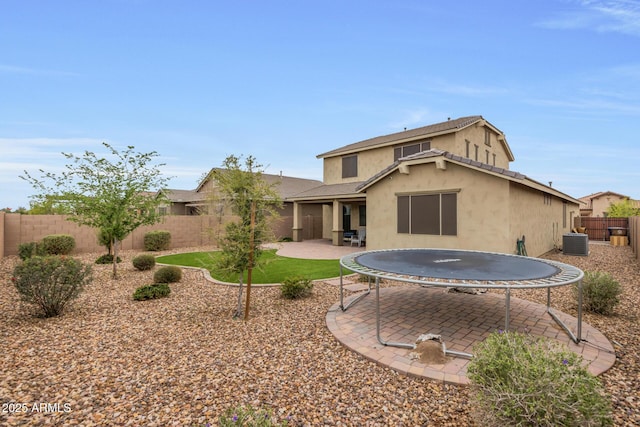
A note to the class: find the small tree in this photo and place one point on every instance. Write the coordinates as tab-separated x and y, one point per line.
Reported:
623	209
253	201
113	196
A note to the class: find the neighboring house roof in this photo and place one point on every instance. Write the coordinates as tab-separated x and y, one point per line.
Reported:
416	134
431	156
329	191
286	186
602	194
182	196
289	186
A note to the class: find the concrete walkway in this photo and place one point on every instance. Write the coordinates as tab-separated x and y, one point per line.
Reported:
314	249
462	320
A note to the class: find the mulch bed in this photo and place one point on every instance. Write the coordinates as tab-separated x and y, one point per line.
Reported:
183	360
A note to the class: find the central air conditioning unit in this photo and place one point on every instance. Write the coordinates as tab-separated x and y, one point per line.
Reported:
575	244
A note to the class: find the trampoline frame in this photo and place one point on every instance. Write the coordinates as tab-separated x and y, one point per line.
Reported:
567	275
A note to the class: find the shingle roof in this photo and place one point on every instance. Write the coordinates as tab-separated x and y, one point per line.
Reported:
286	186
425	131
289	186
182	196
329	190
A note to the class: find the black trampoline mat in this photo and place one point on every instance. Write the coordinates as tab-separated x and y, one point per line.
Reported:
457	265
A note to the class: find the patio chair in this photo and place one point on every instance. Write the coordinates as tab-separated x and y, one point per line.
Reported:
359	238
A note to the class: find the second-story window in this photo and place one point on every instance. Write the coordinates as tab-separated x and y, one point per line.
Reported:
350	166
407	150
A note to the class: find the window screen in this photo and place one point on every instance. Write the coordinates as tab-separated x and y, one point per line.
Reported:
350	166
435	214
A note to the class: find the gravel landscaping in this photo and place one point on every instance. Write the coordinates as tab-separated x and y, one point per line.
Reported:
183	360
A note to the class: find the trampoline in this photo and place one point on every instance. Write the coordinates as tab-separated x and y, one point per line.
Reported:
453	268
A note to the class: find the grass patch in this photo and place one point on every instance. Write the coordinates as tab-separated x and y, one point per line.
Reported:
274	270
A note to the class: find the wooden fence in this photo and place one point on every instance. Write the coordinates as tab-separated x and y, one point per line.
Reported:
634	235
598	227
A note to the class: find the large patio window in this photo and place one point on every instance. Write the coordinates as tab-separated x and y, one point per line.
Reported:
350	166
435	214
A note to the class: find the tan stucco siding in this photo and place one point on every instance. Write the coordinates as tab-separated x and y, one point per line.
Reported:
601	204
374	160
476	137
541	219
482	209
369	163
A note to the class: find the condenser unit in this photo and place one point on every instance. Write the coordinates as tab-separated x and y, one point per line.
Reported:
575	244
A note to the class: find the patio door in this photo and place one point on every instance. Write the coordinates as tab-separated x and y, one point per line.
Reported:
346	218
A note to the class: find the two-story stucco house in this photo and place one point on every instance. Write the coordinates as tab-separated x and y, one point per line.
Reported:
447	185
597	204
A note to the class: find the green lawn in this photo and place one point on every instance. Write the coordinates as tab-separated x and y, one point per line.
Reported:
275	268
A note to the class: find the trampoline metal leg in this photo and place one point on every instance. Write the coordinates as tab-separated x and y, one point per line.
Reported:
508	309
574	338
355	300
409	346
380	340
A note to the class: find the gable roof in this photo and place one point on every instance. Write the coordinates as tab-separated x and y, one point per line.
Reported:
433	130
601	194
330	191
430	156
182	196
286	186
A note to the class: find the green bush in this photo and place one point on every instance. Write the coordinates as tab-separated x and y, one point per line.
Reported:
248	416
168	274
296	287
58	244
106	259
50	282
144	262
158	240
27	250
156	290
518	379
600	292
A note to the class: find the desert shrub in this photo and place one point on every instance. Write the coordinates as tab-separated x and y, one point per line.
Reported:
600	292
518	379
50	282
106	259
156	290
27	250
158	240
144	262
58	244
168	274
296	287
250	417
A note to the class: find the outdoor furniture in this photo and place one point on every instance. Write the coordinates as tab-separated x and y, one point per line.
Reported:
359	238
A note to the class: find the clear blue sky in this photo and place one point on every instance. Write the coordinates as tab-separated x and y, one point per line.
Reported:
287	80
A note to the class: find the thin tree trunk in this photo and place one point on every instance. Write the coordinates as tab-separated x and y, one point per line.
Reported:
239	307
115	258
250	269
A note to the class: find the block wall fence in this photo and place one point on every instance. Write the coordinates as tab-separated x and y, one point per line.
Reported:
186	231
